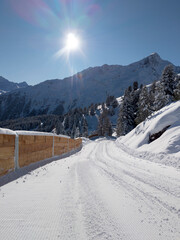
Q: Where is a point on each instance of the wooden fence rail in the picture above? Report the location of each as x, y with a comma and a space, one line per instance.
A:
20, 150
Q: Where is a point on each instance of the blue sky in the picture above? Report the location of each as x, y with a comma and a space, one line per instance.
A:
110, 31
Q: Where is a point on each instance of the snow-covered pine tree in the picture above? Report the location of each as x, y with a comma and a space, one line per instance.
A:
160, 97
125, 122
135, 98
143, 110
167, 79
176, 91
151, 96
77, 133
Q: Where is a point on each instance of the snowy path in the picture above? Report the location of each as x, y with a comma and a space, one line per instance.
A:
101, 192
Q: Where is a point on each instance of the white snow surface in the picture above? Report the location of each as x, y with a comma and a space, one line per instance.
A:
168, 144
34, 133
101, 192
7, 131
112, 189
40, 134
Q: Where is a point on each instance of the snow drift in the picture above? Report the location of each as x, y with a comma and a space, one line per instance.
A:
167, 145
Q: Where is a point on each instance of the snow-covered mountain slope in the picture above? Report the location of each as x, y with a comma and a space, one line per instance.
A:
7, 86
99, 193
91, 85
164, 124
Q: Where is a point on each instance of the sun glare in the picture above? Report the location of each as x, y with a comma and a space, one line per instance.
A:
72, 42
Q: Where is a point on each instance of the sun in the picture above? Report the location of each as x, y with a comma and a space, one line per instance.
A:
72, 42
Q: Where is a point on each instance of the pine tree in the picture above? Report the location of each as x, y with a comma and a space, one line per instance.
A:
151, 97
176, 91
114, 103
167, 79
107, 127
125, 121
85, 110
160, 97
135, 98
100, 125
135, 85
108, 101
73, 131
104, 124
77, 133
103, 106
111, 111
92, 110
143, 110
66, 122
84, 128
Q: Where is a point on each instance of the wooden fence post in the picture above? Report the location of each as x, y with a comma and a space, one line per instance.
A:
68, 144
16, 157
53, 147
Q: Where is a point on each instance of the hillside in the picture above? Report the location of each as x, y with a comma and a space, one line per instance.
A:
91, 85
157, 138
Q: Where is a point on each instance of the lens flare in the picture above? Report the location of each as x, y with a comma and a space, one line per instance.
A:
58, 18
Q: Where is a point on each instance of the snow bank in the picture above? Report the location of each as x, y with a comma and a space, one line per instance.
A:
39, 134
7, 131
34, 133
167, 143
85, 141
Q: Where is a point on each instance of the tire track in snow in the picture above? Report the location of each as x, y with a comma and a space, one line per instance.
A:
97, 194
139, 188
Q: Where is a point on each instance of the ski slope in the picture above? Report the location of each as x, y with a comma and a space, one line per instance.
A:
101, 192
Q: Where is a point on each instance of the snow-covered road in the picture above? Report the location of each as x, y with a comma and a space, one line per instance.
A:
100, 192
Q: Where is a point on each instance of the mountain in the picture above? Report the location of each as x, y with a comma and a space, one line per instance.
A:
7, 86
91, 85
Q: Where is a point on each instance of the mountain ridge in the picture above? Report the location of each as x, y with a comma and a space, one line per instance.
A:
91, 85
7, 86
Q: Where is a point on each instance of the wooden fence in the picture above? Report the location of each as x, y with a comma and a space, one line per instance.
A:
7, 153
18, 150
